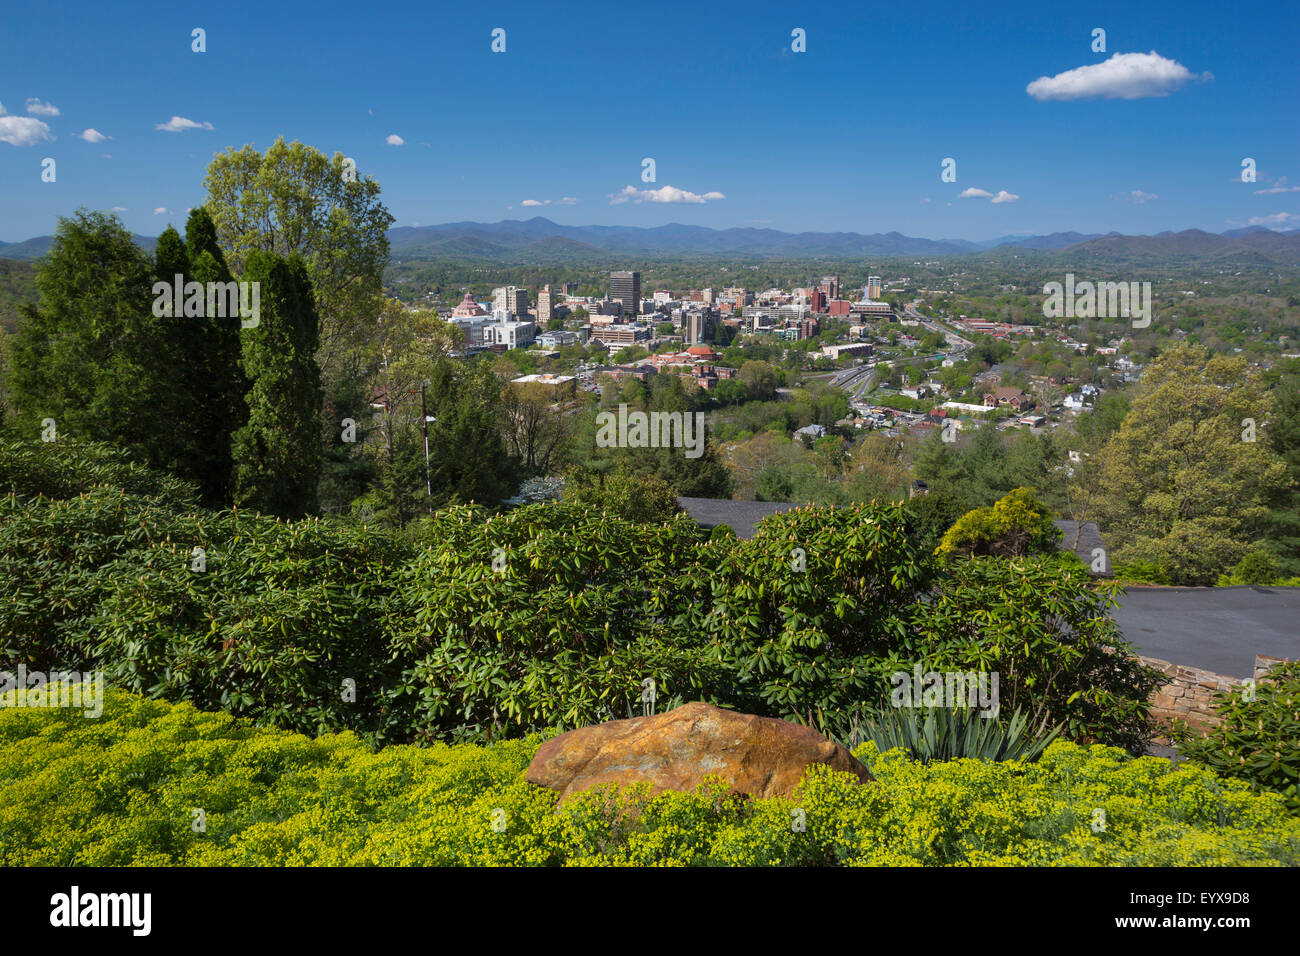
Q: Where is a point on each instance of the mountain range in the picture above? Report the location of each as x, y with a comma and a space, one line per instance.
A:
541, 240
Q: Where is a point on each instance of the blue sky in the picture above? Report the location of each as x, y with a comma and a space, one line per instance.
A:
848, 135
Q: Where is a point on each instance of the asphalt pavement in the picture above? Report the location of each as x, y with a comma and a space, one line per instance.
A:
1218, 629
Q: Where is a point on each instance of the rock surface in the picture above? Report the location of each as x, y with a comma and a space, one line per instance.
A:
760, 756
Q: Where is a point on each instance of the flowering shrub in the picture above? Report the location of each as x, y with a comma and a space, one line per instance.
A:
475, 626
1258, 739
125, 788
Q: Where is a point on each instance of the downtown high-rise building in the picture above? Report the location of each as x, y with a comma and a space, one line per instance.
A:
625, 287
830, 286
873, 288
697, 326
511, 299
545, 306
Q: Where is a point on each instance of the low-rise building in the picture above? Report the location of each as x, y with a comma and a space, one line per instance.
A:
561, 386
1008, 395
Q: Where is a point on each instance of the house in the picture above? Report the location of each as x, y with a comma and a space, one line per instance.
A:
1085, 397
1008, 395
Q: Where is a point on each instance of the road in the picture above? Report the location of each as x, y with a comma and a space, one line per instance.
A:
959, 345
1218, 629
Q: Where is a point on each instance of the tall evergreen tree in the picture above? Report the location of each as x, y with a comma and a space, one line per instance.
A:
86, 355
277, 453
215, 370
467, 453
176, 344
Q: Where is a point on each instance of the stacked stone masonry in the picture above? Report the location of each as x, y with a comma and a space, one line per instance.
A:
1189, 693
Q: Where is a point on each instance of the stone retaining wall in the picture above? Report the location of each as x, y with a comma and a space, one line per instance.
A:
1189, 693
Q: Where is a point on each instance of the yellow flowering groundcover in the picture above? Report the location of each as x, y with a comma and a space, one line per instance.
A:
155, 783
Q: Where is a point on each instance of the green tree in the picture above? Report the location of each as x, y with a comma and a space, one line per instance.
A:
1282, 536
1186, 487
205, 400
295, 199
221, 410
773, 484
631, 497
467, 451
759, 378
87, 354
277, 452
1016, 525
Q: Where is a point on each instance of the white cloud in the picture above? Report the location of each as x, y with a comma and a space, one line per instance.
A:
1125, 76
22, 130
118, 209
566, 201
924, 200
92, 136
1278, 187
395, 140
669, 194
1135, 196
37, 108
1277, 219
974, 192
160, 210
178, 124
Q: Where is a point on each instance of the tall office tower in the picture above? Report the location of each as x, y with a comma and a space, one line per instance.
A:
545, 306
626, 288
818, 300
569, 288
831, 286
697, 327
517, 301
708, 297
873, 288
511, 299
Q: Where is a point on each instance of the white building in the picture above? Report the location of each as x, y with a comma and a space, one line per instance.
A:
472, 327
513, 335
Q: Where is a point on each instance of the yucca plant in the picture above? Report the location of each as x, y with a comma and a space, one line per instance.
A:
949, 733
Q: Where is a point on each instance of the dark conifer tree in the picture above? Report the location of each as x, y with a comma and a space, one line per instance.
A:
277, 452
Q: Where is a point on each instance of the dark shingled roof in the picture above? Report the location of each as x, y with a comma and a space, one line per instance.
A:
741, 517
1089, 538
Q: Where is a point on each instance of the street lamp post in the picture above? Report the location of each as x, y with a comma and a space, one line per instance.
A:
424, 427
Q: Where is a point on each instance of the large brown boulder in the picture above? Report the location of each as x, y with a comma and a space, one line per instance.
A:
760, 756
